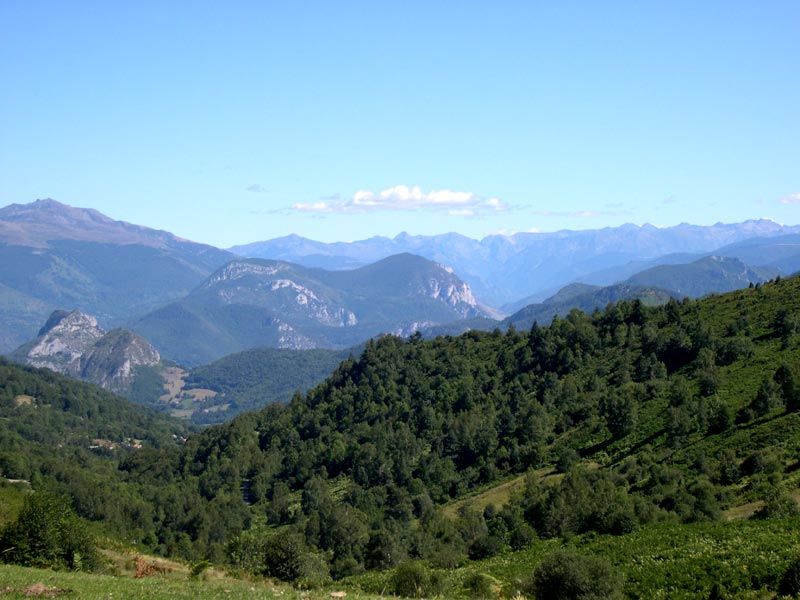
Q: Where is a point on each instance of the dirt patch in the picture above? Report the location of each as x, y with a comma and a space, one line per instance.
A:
743, 511
746, 511
40, 590
183, 402
24, 400
148, 569
200, 394
174, 380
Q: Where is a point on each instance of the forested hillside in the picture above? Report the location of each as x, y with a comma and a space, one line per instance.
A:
251, 379
612, 423
68, 437
660, 414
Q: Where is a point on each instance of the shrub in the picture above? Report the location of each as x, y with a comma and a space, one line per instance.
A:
566, 458
481, 585
566, 575
521, 536
413, 580
283, 556
485, 547
314, 571
777, 505
47, 533
199, 568
790, 582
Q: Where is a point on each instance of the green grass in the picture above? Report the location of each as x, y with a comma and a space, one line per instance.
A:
175, 586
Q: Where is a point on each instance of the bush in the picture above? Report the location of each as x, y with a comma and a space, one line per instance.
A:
413, 580
279, 555
485, 547
283, 556
790, 582
778, 504
48, 534
314, 572
521, 536
566, 458
481, 585
199, 568
566, 575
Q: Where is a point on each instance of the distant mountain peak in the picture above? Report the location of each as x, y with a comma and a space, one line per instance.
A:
39, 223
49, 210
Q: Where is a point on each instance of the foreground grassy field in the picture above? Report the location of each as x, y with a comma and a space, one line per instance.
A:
20, 582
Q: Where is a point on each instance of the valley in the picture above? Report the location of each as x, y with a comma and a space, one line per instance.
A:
407, 300
460, 461
368, 427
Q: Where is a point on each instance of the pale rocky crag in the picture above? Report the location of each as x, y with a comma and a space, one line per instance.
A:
72, 343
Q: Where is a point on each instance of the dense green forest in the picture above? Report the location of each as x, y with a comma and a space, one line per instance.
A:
67, 437
249, 380
612, 424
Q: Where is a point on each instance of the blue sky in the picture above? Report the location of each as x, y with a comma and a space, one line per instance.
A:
232, 122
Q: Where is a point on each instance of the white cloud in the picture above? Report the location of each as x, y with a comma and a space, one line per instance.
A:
510, 232
791, 199
583, 214
402, 197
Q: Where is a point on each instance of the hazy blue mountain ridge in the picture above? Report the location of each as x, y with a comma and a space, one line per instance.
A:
653, 286
712, 274
502, 269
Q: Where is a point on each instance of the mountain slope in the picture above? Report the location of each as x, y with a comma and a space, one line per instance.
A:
251, 303
252, 379
586, 299
53, 256
629, 432
69, 437
653, 286
711, 274
625, 421
781, 252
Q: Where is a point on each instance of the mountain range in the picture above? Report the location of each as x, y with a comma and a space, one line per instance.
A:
196, 303
503, 269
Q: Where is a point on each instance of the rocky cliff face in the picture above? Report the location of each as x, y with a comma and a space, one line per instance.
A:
72, 343
279, 287
455, 294
62, 341
112, 360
